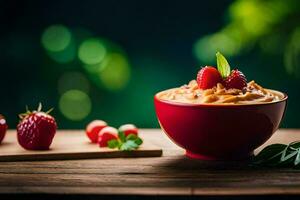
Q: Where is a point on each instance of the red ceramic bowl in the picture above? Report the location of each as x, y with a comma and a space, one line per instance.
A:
219, 131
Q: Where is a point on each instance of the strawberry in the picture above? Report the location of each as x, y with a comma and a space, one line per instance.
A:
93, 128
106, 134
128, 129
36, 129
236, 79
208, 77
3, 127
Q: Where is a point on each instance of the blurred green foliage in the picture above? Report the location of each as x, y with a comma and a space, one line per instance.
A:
270, 25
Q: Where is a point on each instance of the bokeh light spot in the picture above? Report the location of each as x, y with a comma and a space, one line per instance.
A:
65, 56
91, 51
73, 80
75, 105
56, 38
115, 72
206, 48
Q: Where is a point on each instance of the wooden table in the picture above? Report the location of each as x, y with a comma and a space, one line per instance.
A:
169, 175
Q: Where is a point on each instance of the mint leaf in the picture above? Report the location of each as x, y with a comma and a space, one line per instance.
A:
131, 137
222, 65
113, 143
125, 143
122, 136
134, 138
129, 145
139, 141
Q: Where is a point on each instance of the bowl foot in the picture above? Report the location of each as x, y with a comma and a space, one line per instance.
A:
205, 157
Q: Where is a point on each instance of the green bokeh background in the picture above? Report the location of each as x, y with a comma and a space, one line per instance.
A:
148, 46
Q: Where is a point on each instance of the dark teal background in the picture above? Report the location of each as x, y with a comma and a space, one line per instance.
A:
156, 37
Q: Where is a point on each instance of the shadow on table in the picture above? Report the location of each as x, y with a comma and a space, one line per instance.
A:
185, 163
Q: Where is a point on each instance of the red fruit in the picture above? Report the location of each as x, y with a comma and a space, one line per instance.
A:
36, 130
92, 130
208, 77
3, 127
236, 79
128, 129
106, 134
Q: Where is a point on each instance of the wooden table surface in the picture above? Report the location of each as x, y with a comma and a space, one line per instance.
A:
171, 174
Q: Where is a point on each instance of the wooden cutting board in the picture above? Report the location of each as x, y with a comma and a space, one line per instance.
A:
68, 145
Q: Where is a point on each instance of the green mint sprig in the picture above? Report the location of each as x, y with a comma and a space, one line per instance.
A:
222, 65
279, 155
125, 143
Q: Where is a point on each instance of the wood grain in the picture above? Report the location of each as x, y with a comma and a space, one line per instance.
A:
171, 174
70, 145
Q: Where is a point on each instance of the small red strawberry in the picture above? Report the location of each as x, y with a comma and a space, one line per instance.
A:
208, 77
92, 130
106, 134
236, 79
3, 128
36, 129
128, 129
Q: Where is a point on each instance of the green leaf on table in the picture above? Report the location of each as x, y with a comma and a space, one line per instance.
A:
288, 154
131, 137
139, 141
270, 154
122, 136
135, 138
222, 65
125, 143
279, 155
113, 143
297, 159
129, 145
295, 144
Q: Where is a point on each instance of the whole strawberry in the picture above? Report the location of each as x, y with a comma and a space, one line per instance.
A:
232, 79
36, 129
208, 77
236, 79
3, 127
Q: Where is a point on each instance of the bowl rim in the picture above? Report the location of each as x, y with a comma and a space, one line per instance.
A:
285, 97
